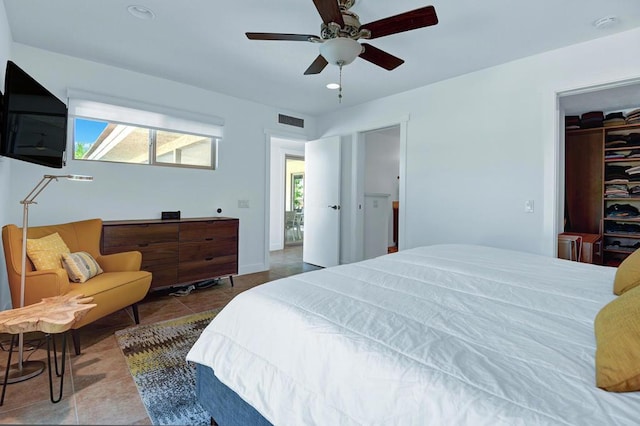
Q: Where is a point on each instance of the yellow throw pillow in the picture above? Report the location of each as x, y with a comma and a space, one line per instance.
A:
46, 252
617, 329
80, 266
628, 274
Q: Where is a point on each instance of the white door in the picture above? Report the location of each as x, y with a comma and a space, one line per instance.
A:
322, 202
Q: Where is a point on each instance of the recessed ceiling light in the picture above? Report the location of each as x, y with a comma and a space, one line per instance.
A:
605, 22
333, 86
141, 12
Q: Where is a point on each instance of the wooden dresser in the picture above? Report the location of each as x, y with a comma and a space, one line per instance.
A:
180, 251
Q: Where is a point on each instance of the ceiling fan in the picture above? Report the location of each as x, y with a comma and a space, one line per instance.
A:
341, 30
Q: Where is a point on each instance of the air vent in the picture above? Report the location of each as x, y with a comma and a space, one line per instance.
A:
291, 121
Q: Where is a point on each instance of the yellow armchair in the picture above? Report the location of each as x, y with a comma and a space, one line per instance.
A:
122, 283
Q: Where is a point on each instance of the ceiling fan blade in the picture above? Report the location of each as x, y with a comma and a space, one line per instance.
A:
407, 21
329, 11
380, 57
317, 66
279, 36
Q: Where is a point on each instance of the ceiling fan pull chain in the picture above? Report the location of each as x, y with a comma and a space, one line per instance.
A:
340, 88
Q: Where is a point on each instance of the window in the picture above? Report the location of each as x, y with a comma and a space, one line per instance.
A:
107, 132
297, 191
122, 143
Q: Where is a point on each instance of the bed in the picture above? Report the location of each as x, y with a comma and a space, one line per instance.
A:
436, 335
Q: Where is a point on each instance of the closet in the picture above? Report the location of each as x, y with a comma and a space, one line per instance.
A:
602, 189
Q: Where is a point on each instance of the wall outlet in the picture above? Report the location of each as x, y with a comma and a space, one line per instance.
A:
243, 204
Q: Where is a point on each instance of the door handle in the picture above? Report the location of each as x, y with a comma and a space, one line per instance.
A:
335, 207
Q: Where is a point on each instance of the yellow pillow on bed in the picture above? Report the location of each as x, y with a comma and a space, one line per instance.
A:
628, 274
617, 329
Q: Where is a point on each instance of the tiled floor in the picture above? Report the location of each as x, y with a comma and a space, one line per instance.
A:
98, 388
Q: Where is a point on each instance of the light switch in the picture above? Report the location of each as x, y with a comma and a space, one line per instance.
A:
528, 206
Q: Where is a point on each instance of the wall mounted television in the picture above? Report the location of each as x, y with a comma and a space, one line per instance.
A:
34, 121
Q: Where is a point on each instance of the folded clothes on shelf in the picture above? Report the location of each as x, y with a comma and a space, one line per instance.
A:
572, 122
633, 116
622, 210
614, 119
631, 246
613, 173
591, 119
621, 228
616, 191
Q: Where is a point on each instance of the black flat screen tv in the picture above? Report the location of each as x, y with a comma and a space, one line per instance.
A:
34, 121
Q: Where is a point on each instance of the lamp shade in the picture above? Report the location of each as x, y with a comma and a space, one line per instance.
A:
69, 177
79, 177
340, 50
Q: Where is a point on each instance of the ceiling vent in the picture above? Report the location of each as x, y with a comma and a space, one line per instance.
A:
291, 121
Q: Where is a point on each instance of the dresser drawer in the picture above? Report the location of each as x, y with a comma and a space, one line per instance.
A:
139, 235
208, 268
162, 275
158, 253
206, 249
209, 230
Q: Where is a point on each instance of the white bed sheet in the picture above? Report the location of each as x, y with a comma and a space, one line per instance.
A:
437, 335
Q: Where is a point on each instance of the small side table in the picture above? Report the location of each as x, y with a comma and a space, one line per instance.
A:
53, 315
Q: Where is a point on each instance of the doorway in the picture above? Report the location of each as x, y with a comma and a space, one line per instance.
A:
381, 191
294, 201
351, 191
281, 148
584, 198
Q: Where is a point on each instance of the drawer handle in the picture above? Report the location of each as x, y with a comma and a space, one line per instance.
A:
208, 258
208, 239
143, 245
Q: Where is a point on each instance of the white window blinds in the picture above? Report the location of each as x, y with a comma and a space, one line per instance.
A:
118, 110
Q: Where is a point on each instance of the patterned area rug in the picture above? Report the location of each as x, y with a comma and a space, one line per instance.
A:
155, 354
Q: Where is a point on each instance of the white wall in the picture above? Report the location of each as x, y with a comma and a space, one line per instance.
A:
5, 164
124, 191
377, 211
480, 145
382, 162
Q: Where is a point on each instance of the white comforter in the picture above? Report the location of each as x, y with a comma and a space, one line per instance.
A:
438, 335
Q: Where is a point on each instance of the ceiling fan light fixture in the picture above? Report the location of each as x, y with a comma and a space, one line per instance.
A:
340, 50
333, 86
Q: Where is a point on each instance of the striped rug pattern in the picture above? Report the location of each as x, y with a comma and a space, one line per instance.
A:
155, 354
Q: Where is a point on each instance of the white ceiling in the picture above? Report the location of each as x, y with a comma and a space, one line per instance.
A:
202, 42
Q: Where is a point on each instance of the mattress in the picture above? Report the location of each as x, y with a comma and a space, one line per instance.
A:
436, 335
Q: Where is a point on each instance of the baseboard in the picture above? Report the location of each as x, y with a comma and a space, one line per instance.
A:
251, 269
276, 246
